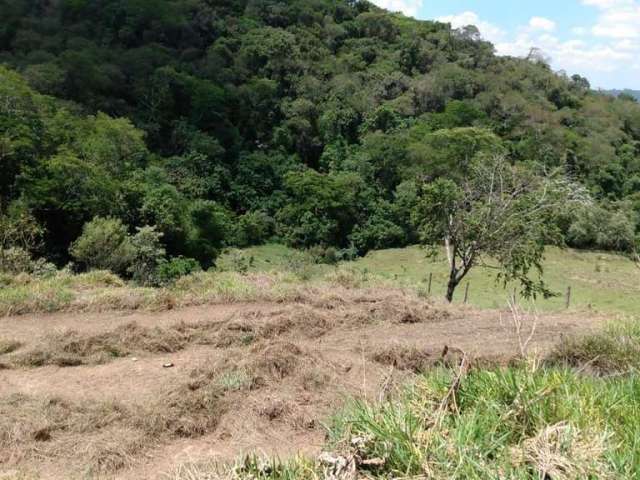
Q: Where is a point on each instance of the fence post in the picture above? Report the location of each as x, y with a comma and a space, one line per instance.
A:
429, 287
568, 298
466, 293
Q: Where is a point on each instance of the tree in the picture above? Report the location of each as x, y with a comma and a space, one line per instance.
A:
498, 216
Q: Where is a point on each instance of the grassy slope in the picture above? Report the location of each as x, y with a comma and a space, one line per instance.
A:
601, 281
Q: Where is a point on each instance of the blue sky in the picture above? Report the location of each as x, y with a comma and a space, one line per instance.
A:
599, 39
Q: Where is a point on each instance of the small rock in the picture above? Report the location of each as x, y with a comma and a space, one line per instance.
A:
134, 359
167, 365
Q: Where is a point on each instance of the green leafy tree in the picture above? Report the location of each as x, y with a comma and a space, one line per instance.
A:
322, 209
498, 216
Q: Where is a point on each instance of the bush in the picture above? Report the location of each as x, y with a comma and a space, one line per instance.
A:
235, 260
597, 227
14, 261
210, 227
147, 254
324, 255
104, 245
168, 271
253, 228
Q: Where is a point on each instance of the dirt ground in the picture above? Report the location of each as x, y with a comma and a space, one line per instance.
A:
282, 369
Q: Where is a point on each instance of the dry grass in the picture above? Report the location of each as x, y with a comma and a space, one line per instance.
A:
405, 358
564, 452
103, 291
73, 349
9, 346
104, 436
318, 311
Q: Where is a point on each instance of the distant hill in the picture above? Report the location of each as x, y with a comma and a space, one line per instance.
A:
634, 93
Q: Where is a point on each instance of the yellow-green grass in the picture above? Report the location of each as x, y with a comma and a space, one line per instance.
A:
602, 282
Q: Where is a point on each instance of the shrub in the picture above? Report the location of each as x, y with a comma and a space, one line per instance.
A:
210, 227
597, 227
147, 254
235, 260
104, 245
168, 271
324, 255
15, 260
253, 228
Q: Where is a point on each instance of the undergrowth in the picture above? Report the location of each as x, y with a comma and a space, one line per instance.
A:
102, 291
616, 350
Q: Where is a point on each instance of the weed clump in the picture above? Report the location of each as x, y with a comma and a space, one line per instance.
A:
615, 350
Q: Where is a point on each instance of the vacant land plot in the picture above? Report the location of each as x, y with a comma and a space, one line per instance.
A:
132, 395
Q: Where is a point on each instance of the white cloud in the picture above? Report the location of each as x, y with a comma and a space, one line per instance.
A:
618, 18
408, 7
605, 4
541, 23
487, 30
608, 50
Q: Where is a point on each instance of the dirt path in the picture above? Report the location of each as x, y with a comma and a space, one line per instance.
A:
306, 359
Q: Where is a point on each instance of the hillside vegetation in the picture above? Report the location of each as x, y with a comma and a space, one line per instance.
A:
206, 124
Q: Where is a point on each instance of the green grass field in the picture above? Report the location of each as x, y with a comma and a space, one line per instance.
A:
602, 282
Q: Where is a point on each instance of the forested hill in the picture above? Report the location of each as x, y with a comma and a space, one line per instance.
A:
230, 122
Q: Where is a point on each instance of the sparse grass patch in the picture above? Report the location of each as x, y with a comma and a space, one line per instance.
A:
235, 380
251, 467
613, 351
42, 295
9, 346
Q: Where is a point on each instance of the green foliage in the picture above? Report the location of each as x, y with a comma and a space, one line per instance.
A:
105, 244
147, 255
308, 119
595, 226
499, 213
19, 229
253, 228
14, 261
323, 207
168, 271
503, 423
449, 152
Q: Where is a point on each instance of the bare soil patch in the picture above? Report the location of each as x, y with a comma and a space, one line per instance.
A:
131, 395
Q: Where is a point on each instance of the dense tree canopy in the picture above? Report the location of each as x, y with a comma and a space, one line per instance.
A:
228, 122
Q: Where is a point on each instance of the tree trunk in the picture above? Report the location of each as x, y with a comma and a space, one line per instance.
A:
451, 287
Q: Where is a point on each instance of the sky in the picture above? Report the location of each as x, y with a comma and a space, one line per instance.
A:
598, 39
